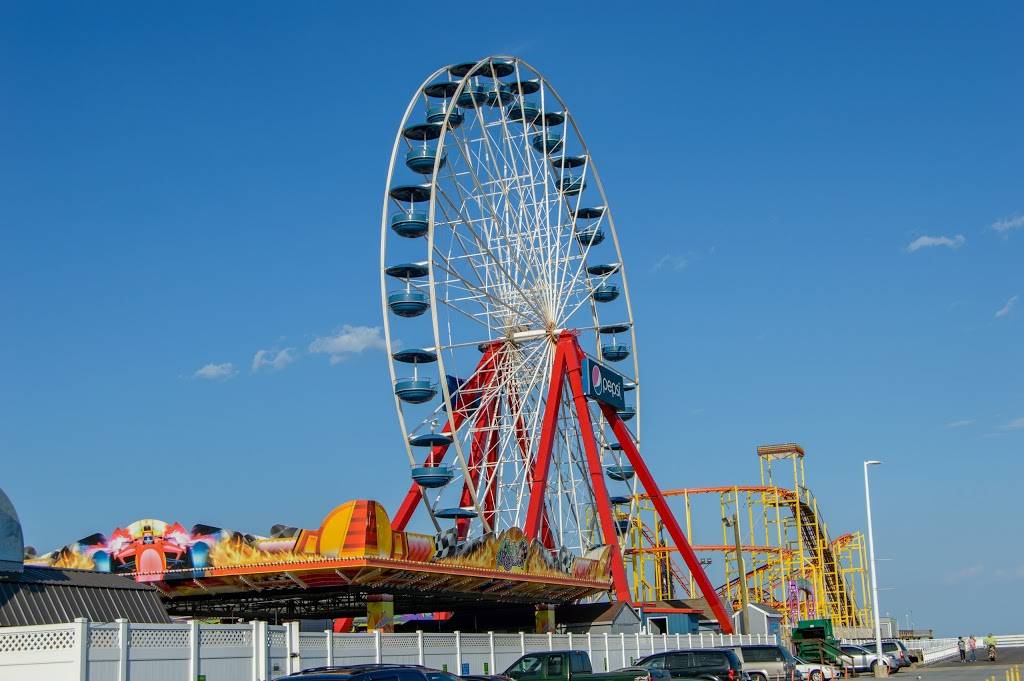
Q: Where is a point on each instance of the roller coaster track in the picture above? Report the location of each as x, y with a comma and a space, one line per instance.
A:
812, 531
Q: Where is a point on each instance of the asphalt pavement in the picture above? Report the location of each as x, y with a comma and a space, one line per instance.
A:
954, 670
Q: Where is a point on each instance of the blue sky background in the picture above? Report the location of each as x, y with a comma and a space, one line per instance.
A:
184, 185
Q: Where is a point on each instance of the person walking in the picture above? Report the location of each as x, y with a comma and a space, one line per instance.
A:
972, 649
961, 645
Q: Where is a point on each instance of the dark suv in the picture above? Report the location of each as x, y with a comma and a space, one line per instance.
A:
711, 664
368, 672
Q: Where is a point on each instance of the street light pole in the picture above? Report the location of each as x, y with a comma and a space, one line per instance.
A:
881, 669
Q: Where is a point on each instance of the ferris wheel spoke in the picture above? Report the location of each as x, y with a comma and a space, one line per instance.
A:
493, 259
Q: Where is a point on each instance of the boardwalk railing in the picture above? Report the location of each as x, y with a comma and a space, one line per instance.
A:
257, 651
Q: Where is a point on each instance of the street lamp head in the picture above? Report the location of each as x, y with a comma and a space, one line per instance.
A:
872, 463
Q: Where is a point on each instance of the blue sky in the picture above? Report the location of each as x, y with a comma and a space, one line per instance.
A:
821, 209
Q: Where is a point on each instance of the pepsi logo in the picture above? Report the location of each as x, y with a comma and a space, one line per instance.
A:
595, 378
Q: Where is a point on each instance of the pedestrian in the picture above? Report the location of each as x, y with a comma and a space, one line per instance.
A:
972, 648
961, 645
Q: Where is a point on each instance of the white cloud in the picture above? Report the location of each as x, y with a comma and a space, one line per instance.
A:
1006, 309
1016, 424
964, 574
349, 340
930, 241
268, 359
212, 372
1007, 225
669, 261
960, 424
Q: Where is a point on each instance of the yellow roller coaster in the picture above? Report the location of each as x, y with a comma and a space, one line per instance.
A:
786, 559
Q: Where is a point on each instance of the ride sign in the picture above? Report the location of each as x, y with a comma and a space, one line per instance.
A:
603, 384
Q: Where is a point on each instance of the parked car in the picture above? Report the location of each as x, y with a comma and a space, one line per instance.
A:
897, 649
571, 665
815, 671
361, 672
711, 664
864, 660
767, 662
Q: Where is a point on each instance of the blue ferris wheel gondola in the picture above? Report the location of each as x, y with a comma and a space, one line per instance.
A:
443, 90
489, 69
549, 143
606, 293
615, 352
588, 213
603, 270
455, 513
570, 186
422, 132
589, 236
407, 270
501, 96
619, 500
524, 87
528, 112
620, 327
551, 118
621, 473
410, 303
415, 356
437, 114
410, 193
410, 224
415, 390
627, 414
472, 96
432, 477
421, 160
431, 440
622, 525
566, 162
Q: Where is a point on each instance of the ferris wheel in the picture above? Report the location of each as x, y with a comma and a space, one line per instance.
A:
507, 318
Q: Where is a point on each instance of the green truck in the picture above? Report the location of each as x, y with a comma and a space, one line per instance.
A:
573, 665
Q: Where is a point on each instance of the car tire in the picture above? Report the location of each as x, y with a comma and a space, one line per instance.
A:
757, 676
816, 675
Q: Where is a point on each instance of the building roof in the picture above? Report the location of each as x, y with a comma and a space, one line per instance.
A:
766, 609
42, 595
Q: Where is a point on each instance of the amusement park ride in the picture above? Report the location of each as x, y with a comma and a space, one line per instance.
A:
516, 384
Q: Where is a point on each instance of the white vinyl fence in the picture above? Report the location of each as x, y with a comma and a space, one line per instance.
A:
936, 649
120, 651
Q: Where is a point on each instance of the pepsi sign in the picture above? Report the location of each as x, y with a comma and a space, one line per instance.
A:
603, 384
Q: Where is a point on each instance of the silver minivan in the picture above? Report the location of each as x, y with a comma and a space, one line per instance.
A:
767, 662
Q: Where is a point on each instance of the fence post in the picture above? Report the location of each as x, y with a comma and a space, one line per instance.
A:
664, 640
82, 646
607, 652
458, 653
193, 650
650, 635
490, 644
255, 650
701, 635
329, 633
378, 656
570, 640
522, 643
678, 643
122, 648
689, 640
551, 642
622, 640
293, 647
419, 647
590, 647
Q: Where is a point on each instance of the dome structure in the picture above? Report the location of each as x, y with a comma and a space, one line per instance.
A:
12, 541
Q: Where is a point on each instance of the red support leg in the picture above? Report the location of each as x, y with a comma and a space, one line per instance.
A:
539, 475
476, 460
625, 439
601, 500
415, 494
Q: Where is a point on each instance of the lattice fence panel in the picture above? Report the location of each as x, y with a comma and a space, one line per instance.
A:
27, 641
312, 641
158, 638
102, 637
225, 637
276, 638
